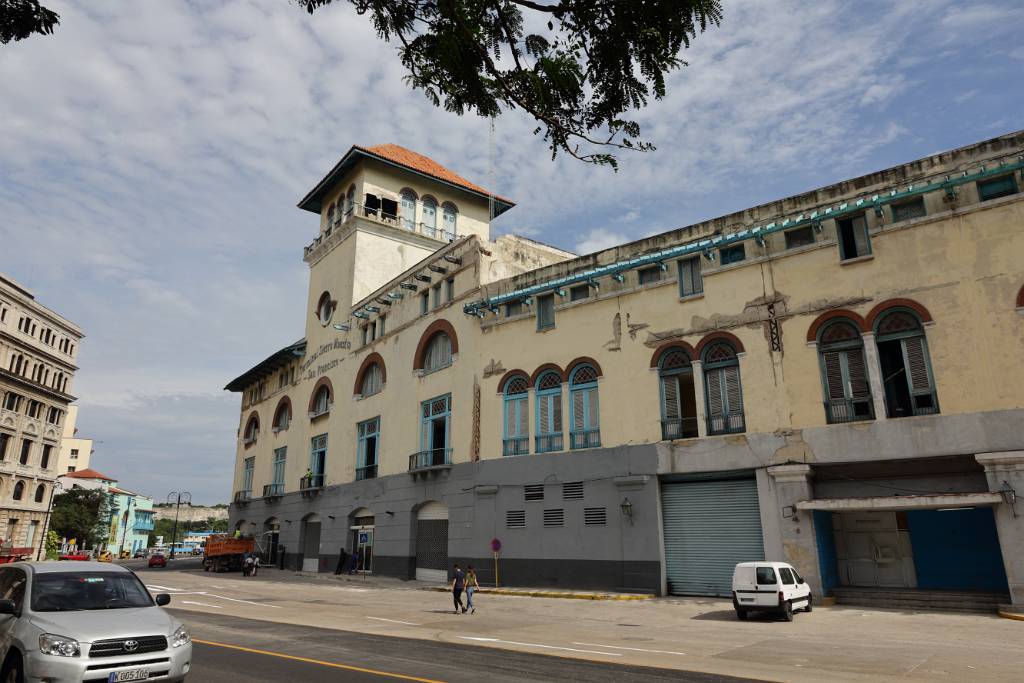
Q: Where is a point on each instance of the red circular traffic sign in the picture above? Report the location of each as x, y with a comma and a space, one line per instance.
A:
495, 545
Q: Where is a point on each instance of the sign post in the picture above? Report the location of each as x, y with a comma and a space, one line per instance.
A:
495, 548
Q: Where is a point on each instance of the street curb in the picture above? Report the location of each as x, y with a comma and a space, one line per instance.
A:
1011, 615
548, 594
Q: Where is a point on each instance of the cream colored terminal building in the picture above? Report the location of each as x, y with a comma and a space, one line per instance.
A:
832, 379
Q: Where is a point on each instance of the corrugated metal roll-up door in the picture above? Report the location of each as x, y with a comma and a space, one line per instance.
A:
710, 526
432, 542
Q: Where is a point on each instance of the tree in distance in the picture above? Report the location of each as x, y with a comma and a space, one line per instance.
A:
82, 514
596, 61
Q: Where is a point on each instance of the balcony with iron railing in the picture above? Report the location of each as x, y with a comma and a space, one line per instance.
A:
366, 472
682, 428
549, 443
146, 523
432, 459
516, 445
273, 490
585, 438
311, 482
919, 404
726, 423
843, 410
242, 497
381, 217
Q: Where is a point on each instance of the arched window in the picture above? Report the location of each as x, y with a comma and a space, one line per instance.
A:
438, 354
283, 416
843, 372
252, 430
517, 417
373, 380
449, 216
723, 396
19, 490
585, 430
429, 216
408, 209
330, 216
906, 367
549, 412
350, 200
321, 400
40, 493
678, 397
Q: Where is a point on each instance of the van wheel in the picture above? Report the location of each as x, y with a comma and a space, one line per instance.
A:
787, 611
11, 672
741, 614
809, 598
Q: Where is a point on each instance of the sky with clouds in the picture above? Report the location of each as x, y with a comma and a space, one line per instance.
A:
151, 155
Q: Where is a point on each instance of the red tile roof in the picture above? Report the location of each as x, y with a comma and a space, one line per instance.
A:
418, 162
88, 474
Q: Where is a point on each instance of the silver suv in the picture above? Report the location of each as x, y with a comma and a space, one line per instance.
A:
86, 621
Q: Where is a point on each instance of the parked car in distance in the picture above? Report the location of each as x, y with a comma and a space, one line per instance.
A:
157, 561
769, 587
77, 555
141, 552
88, 621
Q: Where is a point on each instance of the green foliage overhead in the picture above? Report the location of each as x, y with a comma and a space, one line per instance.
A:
575, 66
21, 18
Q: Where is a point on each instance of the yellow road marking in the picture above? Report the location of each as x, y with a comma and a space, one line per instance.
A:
317, 661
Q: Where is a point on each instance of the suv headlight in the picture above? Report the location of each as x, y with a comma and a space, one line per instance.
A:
180, 637
59, 646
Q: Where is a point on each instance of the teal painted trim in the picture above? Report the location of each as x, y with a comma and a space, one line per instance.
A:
719, 241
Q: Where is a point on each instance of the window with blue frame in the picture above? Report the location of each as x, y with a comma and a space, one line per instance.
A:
723, 395
435, 433
690, 280
545, 311
905, 363
317, 461
277, 473
513, 308
997, 187
844, 373
439, 353
854, 240
517, 421
585, 429
247, 472
408, 209
678, 399
733, 254
549, 412
450, 215
429, 216
367, 448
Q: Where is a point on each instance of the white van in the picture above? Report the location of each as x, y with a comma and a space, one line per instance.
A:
769, 587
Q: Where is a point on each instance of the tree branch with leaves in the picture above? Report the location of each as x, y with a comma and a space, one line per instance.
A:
19, 19
597, 60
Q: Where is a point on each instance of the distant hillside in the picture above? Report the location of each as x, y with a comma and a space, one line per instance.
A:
192, 513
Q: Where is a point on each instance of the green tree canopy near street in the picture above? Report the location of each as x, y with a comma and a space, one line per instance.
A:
596, 60
81, 514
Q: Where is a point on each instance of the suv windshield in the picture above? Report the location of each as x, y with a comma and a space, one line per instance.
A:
60, 592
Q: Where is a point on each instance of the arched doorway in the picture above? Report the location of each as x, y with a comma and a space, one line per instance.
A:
310, 543
362, 539
270, 540
432, 542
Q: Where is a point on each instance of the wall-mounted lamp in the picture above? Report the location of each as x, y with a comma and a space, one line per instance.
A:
627, 509
710, 256
330, 516
618, 277
817, 226
389, 512
789, 512
1009, 496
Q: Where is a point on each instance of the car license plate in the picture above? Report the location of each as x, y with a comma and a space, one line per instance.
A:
129, 675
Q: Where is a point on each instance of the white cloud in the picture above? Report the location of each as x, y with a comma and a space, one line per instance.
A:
598, 239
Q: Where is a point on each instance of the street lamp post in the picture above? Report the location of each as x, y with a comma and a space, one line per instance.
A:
180, 497
46, 520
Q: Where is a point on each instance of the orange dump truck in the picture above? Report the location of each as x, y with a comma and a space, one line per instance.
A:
224, 553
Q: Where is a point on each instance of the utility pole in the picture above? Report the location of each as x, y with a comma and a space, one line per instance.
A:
46, 520
124, 534
179, 496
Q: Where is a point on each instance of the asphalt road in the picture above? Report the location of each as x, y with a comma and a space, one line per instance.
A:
231, 649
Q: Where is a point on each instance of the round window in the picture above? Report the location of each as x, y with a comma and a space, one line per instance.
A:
325, 308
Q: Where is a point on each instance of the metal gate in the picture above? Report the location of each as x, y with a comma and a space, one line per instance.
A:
710, 526
432, 542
